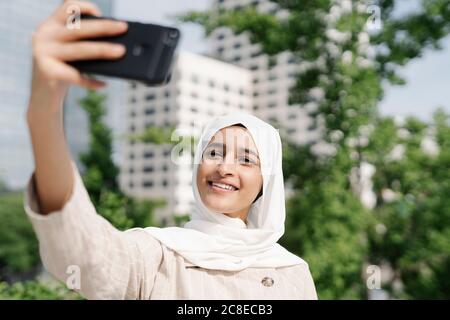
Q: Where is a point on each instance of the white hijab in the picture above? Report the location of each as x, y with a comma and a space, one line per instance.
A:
213, 240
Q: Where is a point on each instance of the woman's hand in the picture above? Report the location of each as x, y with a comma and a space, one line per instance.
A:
54, 43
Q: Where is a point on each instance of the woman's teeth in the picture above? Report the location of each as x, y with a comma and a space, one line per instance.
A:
224, 186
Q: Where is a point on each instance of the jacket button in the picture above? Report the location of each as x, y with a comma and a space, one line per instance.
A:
266, 281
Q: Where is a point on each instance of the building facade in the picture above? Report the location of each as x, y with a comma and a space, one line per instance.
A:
272, 77
18, 19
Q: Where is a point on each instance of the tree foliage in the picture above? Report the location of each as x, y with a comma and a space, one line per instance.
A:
101, 173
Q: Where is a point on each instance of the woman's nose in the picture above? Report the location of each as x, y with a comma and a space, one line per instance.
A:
227, 165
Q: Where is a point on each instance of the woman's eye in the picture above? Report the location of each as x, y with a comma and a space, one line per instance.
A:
246, 160
213, 153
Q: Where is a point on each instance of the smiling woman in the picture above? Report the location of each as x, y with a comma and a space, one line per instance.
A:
229, 178
228, 249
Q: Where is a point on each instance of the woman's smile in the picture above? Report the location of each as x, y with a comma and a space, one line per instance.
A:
221, 188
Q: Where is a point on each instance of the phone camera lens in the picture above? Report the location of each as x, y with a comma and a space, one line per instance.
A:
173, 34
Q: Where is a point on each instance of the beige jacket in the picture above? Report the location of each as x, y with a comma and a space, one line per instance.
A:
82, 249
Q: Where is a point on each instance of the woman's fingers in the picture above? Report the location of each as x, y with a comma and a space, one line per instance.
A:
88, 50
93, 29
72, 8
64, 72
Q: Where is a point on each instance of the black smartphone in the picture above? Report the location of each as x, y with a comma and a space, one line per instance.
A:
149, 57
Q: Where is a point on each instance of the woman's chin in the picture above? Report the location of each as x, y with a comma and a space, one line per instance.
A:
217, 207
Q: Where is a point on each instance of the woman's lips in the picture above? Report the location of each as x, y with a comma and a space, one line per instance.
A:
220, 190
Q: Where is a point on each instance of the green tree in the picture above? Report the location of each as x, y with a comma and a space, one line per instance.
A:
36, 290
100, 175
19, 252
413, 215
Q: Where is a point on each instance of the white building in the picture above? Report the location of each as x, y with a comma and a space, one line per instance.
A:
272, 77
201, 88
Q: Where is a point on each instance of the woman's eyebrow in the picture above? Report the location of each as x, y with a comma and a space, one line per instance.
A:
246, 150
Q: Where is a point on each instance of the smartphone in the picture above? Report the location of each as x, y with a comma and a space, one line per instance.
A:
149, 57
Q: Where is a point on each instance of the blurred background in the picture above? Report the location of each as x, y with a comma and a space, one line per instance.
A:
359, 91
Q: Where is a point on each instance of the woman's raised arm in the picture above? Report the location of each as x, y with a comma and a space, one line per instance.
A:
55, 43
77, 245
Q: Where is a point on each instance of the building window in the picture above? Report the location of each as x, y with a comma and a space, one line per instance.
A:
164, 183
211, 99
133, 100
291, 131
131, 170
132, 114
255, 107
167, 94
292, 116
149, 111
148, 154
237, 46
131, 185
255, 94
272, 91
132, 128
272, 77
147, 184
226, 87
194, 95
220, 36
241, 91
148, 169
272, 105
150, 96
166, 153
131, 156
237, 59
211, 83
254, 67
164, 167
166, 108
194, 109
133, 85
220, 50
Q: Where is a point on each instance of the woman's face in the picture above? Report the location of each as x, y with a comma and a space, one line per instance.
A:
231, 158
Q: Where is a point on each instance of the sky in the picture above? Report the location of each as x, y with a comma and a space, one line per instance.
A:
428, 79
